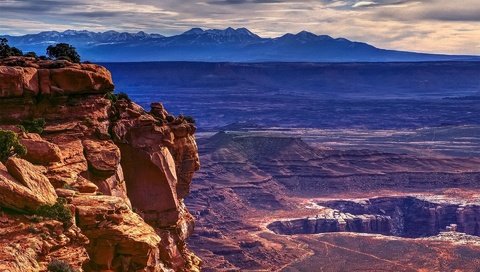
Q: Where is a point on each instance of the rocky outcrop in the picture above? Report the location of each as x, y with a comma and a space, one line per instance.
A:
334, 221
23, 186
40, 151
28, 245
399, 216
26, 76
107, 157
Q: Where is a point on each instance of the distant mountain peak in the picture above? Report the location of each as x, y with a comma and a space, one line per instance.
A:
229, 31
305, 34
229, 44
193, 31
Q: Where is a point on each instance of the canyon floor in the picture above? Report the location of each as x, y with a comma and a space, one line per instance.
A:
276, 199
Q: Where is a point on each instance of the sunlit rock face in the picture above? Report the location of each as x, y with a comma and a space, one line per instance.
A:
396, 216
124, 171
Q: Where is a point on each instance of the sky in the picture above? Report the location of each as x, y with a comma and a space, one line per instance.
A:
434, 26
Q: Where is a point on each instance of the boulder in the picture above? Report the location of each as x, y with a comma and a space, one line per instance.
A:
119, 239
40, 151
85, 186
23, 187
31, 177
18, 81
52, 77
103, 156
76, 81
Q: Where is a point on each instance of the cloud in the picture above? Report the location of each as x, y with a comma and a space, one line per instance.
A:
364, 4
235, 2
439, 10
38, 6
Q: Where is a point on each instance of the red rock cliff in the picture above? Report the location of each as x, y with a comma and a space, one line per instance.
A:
124, 172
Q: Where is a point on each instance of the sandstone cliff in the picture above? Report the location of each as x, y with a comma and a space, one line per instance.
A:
123, 172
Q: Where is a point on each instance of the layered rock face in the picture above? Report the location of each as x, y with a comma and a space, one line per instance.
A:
400, 216
108, 157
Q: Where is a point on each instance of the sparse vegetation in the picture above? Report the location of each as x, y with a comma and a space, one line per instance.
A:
31, 54
57, 211
111, 96
8, 51
115, 97
35, 218
69, 187
9, 145
122, 95
63, 51
35, 125
59, 266
189, 119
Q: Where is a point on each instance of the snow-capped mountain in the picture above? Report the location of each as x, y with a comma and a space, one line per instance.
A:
80, 38
227, 44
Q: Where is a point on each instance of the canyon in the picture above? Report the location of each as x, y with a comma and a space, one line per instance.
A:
337, 199
122, 173
398, 216
335, 187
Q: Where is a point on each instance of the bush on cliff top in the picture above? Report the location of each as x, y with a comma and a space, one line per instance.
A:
33, 126
59, 266
189, 119
63, 51
9, 145
31, 54
115, 97
8, 51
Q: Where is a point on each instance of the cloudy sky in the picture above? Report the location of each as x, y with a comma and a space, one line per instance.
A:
443, 26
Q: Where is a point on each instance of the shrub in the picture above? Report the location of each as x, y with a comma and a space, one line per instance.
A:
115, 97
34, 125
57, 211
31, 54
59, 266
9, 145
111, 96
189, 119
122, 95
7, 51
63, 51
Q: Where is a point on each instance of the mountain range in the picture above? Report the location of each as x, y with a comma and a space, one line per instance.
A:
234, 45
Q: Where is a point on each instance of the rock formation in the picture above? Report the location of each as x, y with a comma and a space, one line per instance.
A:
123, 171
399, 216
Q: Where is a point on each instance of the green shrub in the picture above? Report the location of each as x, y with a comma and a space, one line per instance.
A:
34, 125
189, 119
63, 51
122, 95
7, 51
115, 97
57, 211
111, 96
9, 145
59, 266
31, 54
